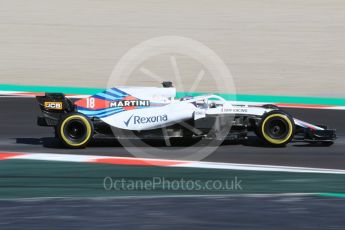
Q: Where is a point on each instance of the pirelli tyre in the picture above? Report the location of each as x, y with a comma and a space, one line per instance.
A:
75, 130
276, 128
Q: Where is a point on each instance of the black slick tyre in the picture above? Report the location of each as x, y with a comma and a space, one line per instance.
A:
276, 128
75, 130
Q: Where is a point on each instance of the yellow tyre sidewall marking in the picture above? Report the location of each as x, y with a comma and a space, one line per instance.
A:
88, 130
274, 141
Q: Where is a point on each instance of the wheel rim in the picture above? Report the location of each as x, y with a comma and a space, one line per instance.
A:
75, 131
277, 128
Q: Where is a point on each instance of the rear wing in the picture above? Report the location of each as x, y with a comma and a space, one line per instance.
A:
53, 106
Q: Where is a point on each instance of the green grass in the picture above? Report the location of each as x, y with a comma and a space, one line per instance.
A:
29, 178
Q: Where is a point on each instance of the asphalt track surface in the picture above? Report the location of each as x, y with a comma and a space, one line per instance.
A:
19, 133
175, 213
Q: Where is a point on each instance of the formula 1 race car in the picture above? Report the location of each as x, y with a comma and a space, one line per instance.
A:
155, 113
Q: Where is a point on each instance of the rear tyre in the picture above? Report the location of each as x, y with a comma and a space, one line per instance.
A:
75, 130
276, 128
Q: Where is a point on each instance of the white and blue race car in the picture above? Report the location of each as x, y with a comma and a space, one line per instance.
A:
155, 113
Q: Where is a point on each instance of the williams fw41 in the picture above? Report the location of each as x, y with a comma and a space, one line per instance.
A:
155, 113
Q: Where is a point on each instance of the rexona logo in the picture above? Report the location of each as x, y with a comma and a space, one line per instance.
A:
138, 120
129, 103
53, 105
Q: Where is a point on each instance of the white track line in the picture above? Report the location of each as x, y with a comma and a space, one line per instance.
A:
160, 196
163, 162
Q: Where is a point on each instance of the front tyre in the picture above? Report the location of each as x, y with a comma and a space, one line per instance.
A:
277, 128
75, 130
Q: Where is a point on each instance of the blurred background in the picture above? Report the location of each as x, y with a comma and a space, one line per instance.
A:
279, 47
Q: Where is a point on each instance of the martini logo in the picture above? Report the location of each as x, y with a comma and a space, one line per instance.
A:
138, 120
129, 103
53, 105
